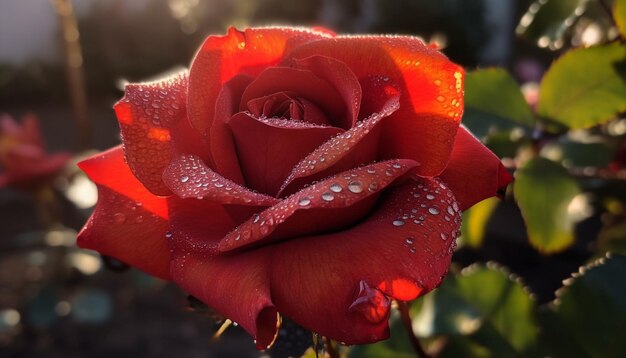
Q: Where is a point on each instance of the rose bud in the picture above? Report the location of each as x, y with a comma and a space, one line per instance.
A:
294, 172
24, 162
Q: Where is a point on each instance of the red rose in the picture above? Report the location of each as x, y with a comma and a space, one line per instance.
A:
294, 172
24, 161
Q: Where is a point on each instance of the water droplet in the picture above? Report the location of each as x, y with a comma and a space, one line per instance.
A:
139, 219
398, 223
444, 237
397, 165
184, 179
336, 188
409, 241
455, 206
412, 250
371, 303
304, 202
237, 237
355, 186
440, 99
371, 170
433, 211
327, 196
119, 218
256, 218
218, 185
430, 196
168, 235
450, 211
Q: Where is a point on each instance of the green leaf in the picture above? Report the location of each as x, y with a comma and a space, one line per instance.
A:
612, 239
591, 309
493, 102
619, 14
475, 220
546, 21
585, 87
482, 306
543, 191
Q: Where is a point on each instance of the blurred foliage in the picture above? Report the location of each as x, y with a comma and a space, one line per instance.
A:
585, 87
544, 192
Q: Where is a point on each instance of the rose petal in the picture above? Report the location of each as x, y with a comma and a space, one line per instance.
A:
299, 108
31, 131
28, 172
343, 293
223, 151
154, 125
129, 222
304, 84
350, 149
474, 173
334, 203
235, 286
431, 105
268, 149
189, 177
344, 81
222, 57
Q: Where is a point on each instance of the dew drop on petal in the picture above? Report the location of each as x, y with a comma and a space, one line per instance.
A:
336, 188
433, 210
430, 196
355, 187
327, 196
371, 303
398, 223
304, 202
119, 218
184, 179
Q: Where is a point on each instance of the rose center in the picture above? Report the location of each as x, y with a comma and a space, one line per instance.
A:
287, 105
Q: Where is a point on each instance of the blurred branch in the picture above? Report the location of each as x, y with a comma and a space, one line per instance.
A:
74, 70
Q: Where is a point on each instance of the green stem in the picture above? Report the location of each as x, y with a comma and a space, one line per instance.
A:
403, 308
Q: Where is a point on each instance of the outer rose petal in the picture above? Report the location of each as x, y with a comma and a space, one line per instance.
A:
474, 173
269, 149
403, 250
188, 177
335, 203
129, 222
235, 286
222, 57
431, 104
154, 125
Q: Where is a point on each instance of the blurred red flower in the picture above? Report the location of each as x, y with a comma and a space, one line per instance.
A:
24, 162
294, 172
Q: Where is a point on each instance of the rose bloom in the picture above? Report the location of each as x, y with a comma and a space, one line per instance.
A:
294, 172
24, 161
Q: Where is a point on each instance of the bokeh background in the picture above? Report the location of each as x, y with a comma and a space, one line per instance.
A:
68, 65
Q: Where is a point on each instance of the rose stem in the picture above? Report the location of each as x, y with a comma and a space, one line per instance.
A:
403, 308
221, 330
331, 348
74, 70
